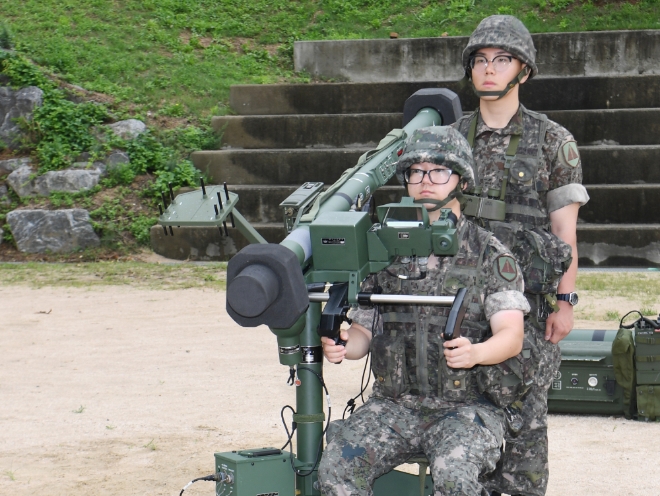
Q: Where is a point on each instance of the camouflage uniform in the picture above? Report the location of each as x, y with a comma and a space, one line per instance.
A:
419, 404
544, 175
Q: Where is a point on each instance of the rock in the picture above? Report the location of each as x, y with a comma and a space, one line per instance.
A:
14, 105
128, 129
10, 165
115, 158
24, 182
56, 231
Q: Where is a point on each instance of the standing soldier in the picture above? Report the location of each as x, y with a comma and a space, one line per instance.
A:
528, 194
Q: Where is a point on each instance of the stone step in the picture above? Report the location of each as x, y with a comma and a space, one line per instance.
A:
629, 164
612, 245
618, 245
591, 53
634, 203
548, 93
623, 126
617, 204
633, 164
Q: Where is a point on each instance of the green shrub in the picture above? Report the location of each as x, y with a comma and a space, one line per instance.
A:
6, 42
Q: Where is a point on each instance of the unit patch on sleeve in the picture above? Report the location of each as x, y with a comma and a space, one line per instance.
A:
568, 153
506, 267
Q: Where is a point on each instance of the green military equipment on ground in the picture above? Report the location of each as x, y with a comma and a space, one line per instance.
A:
610, 372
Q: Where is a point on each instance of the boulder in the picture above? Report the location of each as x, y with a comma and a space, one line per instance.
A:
55, 231
128, 129
14, 105
24, 182
10, 165
115, 158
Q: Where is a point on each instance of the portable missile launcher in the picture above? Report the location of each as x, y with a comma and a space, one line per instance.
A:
303, 288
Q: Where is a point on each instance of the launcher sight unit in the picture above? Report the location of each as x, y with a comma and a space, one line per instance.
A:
331, 246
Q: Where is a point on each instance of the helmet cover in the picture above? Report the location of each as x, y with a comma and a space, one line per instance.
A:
441, 145
505, 32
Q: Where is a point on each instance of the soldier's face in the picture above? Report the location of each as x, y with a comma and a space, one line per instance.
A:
494, 77
427, 189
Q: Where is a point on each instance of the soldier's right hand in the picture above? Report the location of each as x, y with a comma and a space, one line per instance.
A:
334, 353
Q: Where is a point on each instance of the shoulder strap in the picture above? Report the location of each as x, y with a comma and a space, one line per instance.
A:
480, 278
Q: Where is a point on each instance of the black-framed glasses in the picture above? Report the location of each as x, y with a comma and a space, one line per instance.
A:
500, 63
436, 176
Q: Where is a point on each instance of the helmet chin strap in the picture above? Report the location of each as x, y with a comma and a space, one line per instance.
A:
456, 193
500, 94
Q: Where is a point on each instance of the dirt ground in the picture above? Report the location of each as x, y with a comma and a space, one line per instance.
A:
126, 391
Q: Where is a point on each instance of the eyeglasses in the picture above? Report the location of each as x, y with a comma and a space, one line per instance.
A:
436, 176
501, 63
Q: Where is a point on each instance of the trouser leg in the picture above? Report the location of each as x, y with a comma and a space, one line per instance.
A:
362, 449
523, 467
460, 447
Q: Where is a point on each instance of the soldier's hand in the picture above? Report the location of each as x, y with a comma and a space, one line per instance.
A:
335, 353
560, 323
460, 353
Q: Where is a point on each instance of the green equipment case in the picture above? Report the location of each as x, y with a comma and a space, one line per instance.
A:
647, 354
647, 369
255, 472
585, 382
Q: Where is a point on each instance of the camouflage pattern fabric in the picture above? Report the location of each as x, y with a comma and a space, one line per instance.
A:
460, 442
526, 199
419, 405
441, 145
505, 32
417, 373
523, 468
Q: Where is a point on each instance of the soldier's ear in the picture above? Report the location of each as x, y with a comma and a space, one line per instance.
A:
526, 76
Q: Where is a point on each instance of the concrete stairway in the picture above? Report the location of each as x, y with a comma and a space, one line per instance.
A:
286, 135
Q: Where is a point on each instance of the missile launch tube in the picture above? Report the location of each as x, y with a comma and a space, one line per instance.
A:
363, 181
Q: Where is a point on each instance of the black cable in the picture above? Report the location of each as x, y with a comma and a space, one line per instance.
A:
294, 425
210, 478
648, 322
350, 404
318, 451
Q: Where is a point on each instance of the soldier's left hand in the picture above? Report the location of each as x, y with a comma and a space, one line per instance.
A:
460, 353
560, 323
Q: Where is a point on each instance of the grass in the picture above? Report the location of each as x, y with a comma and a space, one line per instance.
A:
178, 58
639, 285
634, 291
151, 446
135, 274
80, 409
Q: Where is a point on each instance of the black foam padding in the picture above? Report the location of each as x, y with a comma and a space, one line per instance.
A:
253, 290
445, 101
265, 286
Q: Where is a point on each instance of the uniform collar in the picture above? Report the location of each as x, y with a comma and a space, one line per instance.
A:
514, 127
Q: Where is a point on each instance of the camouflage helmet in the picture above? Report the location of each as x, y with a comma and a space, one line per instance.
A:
505, 32
441, 145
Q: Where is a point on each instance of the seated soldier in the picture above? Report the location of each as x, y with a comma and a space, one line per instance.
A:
428, 396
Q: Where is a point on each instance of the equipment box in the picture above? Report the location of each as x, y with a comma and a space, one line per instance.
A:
255, 472
647, 355
585, 382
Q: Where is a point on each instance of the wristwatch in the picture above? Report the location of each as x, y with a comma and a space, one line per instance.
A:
572, 298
